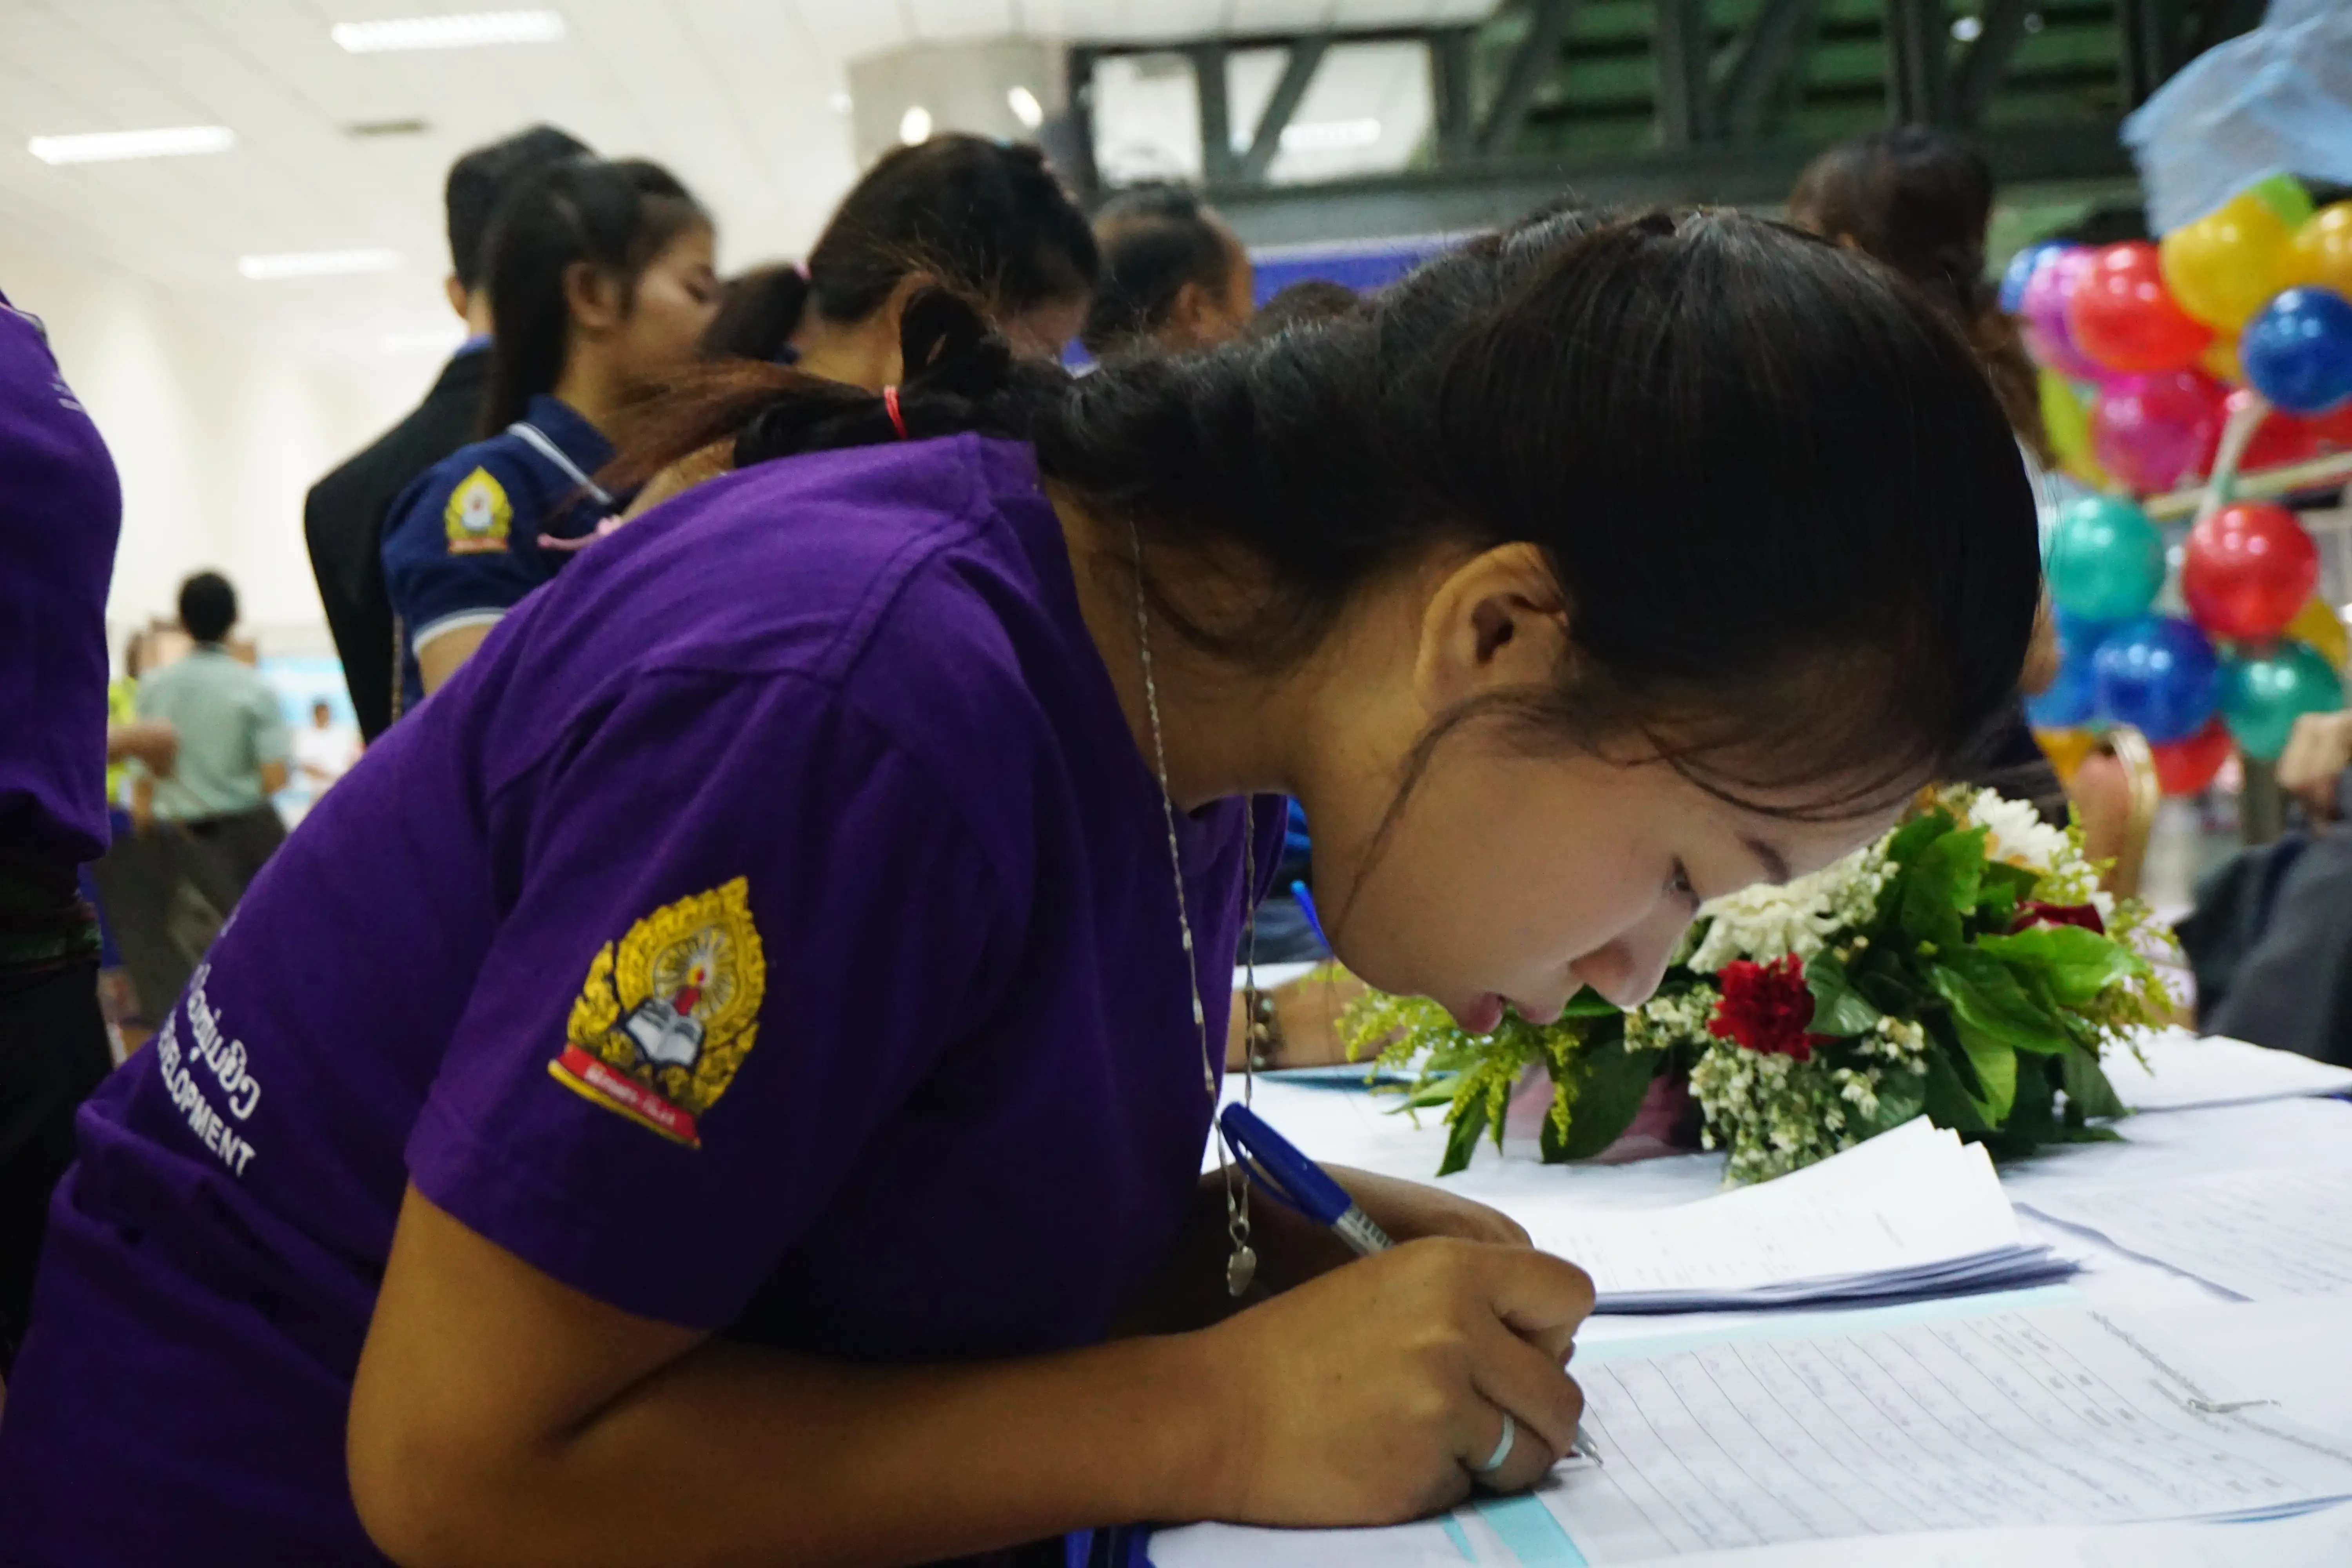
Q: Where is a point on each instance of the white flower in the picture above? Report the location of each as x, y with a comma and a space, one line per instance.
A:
2017, 834
1768, 923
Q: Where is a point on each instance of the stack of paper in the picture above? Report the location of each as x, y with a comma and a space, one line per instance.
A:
2263, 1234
2173, 1070
1910, 1420
1912, 1212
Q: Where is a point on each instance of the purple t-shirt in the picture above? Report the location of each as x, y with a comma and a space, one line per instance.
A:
60, 510
769, 930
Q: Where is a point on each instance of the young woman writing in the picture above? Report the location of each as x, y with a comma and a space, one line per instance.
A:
814, 909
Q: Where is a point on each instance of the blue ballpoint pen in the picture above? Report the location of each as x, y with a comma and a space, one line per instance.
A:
1298, 1184
1307, 907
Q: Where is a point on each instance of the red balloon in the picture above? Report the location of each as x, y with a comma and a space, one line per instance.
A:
2154, 432
2250, 569
2332, 429
2280, 440
2122, 316
2184, 767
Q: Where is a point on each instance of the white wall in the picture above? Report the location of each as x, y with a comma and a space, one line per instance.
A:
216, 433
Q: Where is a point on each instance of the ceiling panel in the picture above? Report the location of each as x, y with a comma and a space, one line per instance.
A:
739, 96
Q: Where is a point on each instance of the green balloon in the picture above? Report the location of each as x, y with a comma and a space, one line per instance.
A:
2286, 198
2264, 694
2106, 560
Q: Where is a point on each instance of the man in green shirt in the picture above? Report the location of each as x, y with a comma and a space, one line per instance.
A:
206, 826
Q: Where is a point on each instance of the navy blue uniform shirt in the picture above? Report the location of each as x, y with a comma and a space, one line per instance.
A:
464, 544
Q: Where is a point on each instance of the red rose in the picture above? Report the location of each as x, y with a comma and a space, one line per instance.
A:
1766, 1007
2032, 913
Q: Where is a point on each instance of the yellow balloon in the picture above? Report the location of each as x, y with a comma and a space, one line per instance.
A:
2318, 623
2066, 417
2221, 362
2065, 749
2321, 250
2228, 264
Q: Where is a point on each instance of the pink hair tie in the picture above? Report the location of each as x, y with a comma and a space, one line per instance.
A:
566, 546
890, 406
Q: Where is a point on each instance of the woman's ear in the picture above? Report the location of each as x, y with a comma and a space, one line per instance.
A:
1496, 620
594, 297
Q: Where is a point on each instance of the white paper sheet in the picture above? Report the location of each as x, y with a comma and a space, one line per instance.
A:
1910, 1207
2263, 1235
2186, 1071
2060, 1416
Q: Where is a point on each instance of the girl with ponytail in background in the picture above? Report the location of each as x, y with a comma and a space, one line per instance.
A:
779, 1140
601, 284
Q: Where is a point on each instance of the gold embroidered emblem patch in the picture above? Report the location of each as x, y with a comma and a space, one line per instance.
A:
478, 516
668, 1013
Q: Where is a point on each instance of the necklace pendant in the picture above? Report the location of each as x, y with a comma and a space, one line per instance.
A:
1240, 1270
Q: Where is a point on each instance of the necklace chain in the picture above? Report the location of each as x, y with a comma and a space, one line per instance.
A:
1242, 1264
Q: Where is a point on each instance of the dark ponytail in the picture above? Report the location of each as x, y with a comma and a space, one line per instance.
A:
758, 314
616, 216
1154, 239
987, 219
1919, 200
1796, 539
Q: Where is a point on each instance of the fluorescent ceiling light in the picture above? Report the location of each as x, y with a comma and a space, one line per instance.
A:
317, 264
472, 30
1025, 106
915, 125
1330, 135
110, 146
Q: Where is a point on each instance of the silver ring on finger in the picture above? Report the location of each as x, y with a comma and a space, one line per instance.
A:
1502, 1453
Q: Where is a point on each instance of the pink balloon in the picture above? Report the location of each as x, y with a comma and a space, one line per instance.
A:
2155, 432
2043, 308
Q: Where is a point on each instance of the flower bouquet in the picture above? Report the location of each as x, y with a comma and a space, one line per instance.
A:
1966, 965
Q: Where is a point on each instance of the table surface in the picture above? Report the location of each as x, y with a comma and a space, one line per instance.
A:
2293, 1347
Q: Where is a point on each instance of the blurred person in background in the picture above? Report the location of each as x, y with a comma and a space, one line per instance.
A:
2270, 939
1920, 200
324, 751
602, 284
345, 515
1174, 275
211, 813
987, 218
60, 513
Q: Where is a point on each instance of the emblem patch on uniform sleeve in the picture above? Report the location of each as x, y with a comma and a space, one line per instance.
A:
668, 1014
479, 515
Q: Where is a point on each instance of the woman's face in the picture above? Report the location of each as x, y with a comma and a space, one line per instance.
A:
1514, 874
677, 295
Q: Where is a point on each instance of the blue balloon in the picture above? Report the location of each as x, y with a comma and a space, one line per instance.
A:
2073, 697
2021, 271
2106, 560
2298, 352
2160, 676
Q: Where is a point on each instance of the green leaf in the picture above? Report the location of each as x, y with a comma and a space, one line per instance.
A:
1901, 1097
1916, 835
1947, 1101
1987, 999
2076, 964
2033, 1112
1982, 1023
2087, 1088
1838, 1007
1942, 885
1590, 1004
1462, 1137
2017, 879
1609, 1095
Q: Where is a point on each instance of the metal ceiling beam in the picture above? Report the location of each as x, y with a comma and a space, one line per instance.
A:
1297, 74
1763, 63
1680, 44
1217, 160
1537, 59
1452, 200
1449, 94
1987, 58
1918, 79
